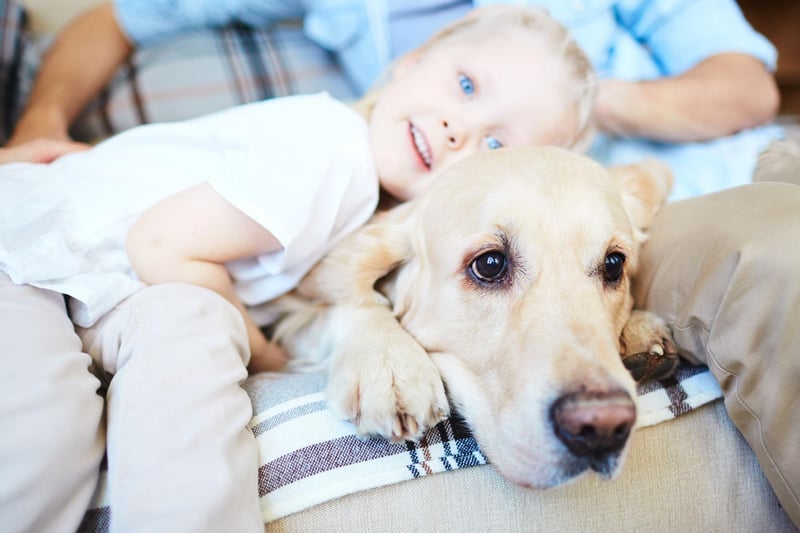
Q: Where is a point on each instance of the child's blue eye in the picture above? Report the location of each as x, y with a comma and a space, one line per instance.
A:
466, 84
492, 143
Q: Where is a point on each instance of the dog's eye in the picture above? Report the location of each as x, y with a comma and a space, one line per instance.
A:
612, 267
489, 267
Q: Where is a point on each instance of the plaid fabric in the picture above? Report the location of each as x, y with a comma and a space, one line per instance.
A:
191, 75
207, 71
309, 456
13, 41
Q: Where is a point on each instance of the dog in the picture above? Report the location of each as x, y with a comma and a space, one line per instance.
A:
503, 291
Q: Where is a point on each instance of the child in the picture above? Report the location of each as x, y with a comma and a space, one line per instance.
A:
243, 202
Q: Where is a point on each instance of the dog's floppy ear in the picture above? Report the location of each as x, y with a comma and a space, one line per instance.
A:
644, 187
348, 273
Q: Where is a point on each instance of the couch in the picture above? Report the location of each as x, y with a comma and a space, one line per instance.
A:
688, 468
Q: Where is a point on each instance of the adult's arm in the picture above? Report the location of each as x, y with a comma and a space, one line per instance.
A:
714, 73
89, 50
719, 96
81, 61
189, 237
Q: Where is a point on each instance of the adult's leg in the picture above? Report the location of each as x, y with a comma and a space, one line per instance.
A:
51, 438
724, 271
180, 454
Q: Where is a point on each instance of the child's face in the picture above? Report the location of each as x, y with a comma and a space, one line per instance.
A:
469, 93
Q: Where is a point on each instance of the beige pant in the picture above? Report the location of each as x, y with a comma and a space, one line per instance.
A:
180, 457
724, 271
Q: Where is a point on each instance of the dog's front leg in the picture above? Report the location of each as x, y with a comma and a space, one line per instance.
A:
380, 378
648, 350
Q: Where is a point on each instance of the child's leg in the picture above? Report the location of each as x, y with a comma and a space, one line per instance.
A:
51, 440
180, 455
724, 271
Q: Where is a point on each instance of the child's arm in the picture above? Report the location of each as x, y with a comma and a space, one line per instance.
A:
189, 237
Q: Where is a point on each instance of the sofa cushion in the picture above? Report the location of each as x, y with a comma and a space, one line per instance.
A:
308, 456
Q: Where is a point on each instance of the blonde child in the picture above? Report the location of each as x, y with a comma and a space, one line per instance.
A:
163, 239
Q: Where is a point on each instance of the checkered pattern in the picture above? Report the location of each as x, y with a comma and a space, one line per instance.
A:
13, 42
309, 456
207, 71
191, 75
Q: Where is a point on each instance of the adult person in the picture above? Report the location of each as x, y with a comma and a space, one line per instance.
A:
693, 73
688, 82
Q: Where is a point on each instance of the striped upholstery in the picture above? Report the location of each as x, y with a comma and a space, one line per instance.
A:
308, 456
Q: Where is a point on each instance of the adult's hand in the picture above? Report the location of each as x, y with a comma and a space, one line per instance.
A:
40, 123
39, 151
724, 94
81, 61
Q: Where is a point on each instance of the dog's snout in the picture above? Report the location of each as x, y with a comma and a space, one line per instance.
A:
594, 425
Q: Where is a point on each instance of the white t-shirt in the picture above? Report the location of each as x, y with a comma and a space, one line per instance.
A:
300, 166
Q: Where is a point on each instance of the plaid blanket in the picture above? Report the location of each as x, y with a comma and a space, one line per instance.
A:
190, 75
208, 70
309, 456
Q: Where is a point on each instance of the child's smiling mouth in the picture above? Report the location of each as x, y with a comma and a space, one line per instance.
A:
421, 145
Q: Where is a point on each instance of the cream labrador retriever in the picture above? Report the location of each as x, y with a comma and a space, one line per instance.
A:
509, 283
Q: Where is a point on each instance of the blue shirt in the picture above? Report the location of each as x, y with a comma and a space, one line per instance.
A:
625, 39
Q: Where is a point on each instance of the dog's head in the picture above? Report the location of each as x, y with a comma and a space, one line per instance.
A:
513, 271
515, 275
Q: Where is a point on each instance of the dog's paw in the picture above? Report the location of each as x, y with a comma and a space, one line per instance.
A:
396, 393
648, 351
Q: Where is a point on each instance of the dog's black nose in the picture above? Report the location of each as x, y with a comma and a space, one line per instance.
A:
594, 425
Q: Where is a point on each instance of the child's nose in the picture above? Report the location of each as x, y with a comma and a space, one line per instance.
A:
454, 134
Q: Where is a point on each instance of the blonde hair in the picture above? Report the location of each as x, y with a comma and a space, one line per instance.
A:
579, 72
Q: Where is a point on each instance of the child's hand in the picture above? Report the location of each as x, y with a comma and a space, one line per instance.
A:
269, 357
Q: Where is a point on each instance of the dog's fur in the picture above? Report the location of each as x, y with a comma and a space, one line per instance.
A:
530, 354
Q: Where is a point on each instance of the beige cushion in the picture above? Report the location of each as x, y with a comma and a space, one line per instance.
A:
694, 473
